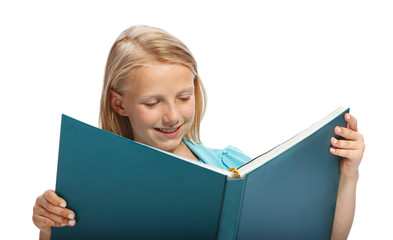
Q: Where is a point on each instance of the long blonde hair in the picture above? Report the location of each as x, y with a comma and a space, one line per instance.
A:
135, 47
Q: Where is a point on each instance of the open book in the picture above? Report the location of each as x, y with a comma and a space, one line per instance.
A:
121, 189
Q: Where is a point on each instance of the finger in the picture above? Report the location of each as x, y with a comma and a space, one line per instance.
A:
348, 133
349, 154
352, 122
59, 220
345, 144
52, 197
43, 222
66, 213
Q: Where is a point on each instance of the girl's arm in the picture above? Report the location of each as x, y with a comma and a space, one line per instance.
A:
351, 149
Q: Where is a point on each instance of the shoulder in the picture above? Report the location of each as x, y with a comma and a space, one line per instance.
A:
226, 158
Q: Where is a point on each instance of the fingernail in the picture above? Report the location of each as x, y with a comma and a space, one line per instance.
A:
71, 216
348, 116
338, 130
71, 222
334, 140
332, 150
63, 204
62, 224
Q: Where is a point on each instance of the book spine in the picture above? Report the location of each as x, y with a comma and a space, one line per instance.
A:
231, 208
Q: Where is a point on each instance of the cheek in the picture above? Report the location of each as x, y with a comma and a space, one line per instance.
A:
142, 118
188, 111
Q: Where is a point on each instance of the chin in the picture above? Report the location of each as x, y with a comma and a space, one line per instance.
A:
169, 146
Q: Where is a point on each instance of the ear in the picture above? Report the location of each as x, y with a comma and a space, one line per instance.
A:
116, 102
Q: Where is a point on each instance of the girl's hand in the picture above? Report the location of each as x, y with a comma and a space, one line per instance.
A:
49, 211
351, 148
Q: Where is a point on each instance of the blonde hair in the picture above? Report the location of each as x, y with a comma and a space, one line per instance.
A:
136, 47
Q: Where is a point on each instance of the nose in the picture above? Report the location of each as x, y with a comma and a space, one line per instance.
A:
171, 115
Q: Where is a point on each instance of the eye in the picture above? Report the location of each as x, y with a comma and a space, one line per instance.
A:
151, 104
185, 98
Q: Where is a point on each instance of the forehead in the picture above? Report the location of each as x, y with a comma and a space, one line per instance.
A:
160, 78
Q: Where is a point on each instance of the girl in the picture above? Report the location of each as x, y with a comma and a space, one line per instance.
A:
152, 94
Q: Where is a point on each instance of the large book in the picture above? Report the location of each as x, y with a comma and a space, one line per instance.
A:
121, 189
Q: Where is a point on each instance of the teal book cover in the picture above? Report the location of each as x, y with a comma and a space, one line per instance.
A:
121, 189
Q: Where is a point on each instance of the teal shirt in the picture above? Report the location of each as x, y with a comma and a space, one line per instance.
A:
227, 158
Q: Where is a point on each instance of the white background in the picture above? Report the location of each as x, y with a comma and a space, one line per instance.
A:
270, 69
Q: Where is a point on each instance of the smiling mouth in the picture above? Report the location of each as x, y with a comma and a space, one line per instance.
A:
167, 130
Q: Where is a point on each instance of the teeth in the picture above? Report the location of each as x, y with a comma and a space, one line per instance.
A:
168, 130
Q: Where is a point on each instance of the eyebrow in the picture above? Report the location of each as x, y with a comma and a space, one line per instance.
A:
186, 90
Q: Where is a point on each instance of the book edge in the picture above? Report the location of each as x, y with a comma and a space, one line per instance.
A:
279, 149
231, 208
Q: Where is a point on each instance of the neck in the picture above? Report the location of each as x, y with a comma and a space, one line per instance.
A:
184, 151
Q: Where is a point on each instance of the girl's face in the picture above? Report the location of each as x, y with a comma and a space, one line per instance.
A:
159, 101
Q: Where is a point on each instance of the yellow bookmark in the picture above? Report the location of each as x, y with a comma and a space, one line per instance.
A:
234, 170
